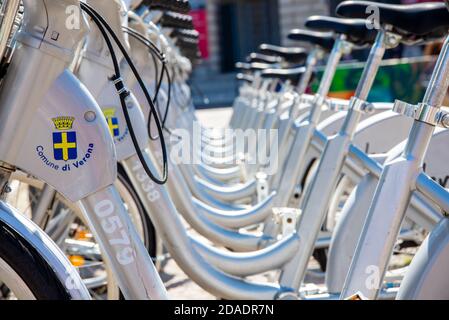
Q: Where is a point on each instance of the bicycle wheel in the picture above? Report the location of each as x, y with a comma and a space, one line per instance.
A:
24, 273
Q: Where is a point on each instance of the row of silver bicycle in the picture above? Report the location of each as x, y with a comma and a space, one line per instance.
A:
105, 169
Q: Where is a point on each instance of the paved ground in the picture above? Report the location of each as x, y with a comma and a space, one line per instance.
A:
179, 286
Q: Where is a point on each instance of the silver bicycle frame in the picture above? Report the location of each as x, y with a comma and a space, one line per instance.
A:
158, 204
304, 131
316, 202
121, 246
346, 234
218, 256
390, 202
135, 273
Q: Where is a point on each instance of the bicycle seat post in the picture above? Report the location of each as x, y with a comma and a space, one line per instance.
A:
304, 131
340, 47
383, 40
332, 64
312, 59
437, 89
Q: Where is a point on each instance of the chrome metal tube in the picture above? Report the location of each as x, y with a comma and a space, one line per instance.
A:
40, 212
121, 246
237, 219
165, 217
397, 182
249, 263
310, 67
236, 240
433, 191
316, 201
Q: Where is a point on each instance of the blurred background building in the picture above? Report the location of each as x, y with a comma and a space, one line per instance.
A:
231, 29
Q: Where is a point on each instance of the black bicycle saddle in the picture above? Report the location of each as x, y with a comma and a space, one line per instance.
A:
355, 30
292, 74
414, 22
325, 40
258, 57
290, 55
186, 33
179, 6
245, 77
176, 20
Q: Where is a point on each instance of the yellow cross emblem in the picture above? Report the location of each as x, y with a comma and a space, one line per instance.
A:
64, 145
113, 126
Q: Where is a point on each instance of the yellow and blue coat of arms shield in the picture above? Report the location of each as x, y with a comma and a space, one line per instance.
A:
64, 145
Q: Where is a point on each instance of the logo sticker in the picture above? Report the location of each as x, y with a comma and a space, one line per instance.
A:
114, 126
64, 143
65, 147
112, 121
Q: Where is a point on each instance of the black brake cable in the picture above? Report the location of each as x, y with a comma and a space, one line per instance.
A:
155, 50
169, 93
156, 68
123, 92
167, 106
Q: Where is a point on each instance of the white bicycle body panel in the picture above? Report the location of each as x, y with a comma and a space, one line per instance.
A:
28, 120
129, 259
161, 102
95, 77
94, 71
141, 57
94, 163
426, 277
58, 108
381, 132
144, 63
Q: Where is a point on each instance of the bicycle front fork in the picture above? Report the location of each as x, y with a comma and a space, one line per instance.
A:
121, 246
